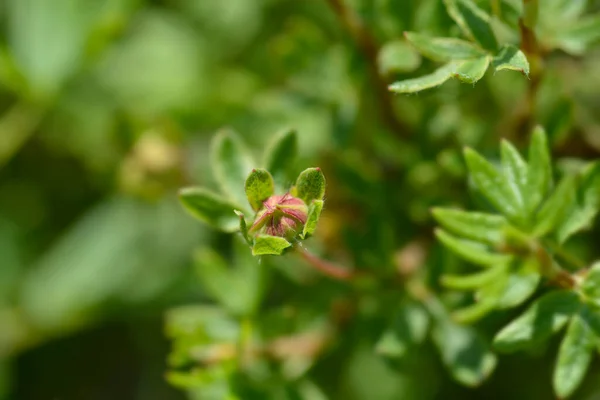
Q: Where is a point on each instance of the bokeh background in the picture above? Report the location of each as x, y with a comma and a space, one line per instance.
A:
107, 107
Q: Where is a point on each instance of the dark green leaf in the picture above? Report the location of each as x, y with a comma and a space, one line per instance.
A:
434, 79
280, 157
493, 186
473, 21
210, 208
471, 251
539, 180
443, 49
574, 357
591, 285
473, 70
546, 316
243, 227
408, 329
273, 245
231, 163
556, 208
259, 187
310, 185
314, 212
511, 58
477, 226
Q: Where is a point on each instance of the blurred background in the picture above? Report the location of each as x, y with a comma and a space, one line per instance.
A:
107, 107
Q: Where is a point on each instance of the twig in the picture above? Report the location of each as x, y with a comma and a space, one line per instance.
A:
327, 268
368, 46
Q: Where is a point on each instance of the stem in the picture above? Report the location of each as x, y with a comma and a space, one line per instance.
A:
496, 10
329, 269
551, 270
368, 46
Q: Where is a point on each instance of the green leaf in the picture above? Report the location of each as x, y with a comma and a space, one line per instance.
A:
475, 311
591, 285
521, 284
587, 204
471, 251
555, 208
511, 58
464, 352
280, 157
259, 187
434, 79
473, 21
231, 164
574, 357
310, 185
493, 186
408, 329
539, 179
473, 70
397, 56
543, 318
515, 170
473, 281
477, 226
577, 37
314, 212
243, 226
210, 208
443, 49
273, 245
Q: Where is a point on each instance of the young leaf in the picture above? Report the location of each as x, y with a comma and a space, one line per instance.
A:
475, 311
471, 251
587, 204
443, 49
515, 170
511, 58
555, 208
280, 156
210, 208
473, 21
231, 164
539, 179
546, 316
397, 56
464, 352
473, 281
259, 187
311, 185
408, 329
493, 186
477, 226
265, 244
314, 212
473, 70
434, 79
243, 226
520, 285
574, 357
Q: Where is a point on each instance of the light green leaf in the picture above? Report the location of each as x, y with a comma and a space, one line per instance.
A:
443, 49
464, 352
539, 180
515, 170
434, 79
273, 245
471, 251
511, 58
280, 157
574, 357
473, 21
545, 317
556, 208
231, 163
408, 329
474, 281
210, 208
259, 187
521, 284
310, 185
475, 311
473, 70
314, 212
243, 226
397, 56
577, 37
477, 226
493, 186
591, 285
587, 204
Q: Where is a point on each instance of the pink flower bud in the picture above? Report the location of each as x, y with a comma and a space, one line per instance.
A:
282, 216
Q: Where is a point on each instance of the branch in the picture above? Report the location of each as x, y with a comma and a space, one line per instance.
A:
369, 48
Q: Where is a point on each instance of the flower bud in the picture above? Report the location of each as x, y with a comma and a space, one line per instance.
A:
282, 216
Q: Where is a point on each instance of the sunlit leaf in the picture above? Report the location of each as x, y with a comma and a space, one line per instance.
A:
472, 225
471, 251
269, 245
259, 187
432, 80
472, 71
511, 58
443, 49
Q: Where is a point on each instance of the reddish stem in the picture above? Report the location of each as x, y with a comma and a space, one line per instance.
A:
327, 268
